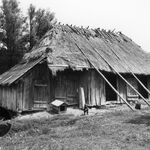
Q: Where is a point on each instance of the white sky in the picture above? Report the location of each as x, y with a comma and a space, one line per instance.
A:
131, 17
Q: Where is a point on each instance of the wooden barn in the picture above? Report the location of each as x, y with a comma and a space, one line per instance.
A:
68, 58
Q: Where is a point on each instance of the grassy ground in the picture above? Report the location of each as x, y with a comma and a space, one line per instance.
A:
112, 130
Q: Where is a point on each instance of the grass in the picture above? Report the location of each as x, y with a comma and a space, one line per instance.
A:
110, 130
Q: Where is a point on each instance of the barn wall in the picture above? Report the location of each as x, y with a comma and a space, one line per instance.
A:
94, 87
22, 95
27, 92
134, 83
122, 89
8, 97
40, 86
65, 86
15, 97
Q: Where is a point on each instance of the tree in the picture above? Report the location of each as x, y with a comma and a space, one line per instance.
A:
32, 32
13, 22
43, 22
40, 21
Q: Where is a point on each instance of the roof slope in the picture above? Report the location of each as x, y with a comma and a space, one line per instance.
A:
17, 71
115, 48
62, 47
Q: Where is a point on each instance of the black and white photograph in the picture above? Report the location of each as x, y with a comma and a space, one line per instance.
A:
74, 75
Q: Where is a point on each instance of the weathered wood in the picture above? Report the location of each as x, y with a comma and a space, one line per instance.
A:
135, 90
122, 89
41, 85
89, 88
123, 78
97, 90
105, 78
141, 83
81, 98
102, 91
129, 69
66, 86
93, 98
133, 82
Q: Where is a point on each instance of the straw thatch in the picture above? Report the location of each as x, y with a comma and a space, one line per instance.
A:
62, 46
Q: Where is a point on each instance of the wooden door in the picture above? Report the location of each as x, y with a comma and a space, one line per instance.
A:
66, 87
41, 86
72, 90
40, 95
130, 91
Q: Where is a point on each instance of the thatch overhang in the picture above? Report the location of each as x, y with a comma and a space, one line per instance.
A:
62, 45
17, 71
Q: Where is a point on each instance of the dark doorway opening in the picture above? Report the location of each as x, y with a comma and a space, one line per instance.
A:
141, 90
63, 108
110, 94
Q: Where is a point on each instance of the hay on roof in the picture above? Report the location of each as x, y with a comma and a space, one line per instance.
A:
66, 41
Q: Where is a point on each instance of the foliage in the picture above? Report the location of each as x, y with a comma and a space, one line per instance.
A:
40, 21
13, 22
22, 32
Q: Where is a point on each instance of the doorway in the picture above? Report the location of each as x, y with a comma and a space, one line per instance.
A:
141, 90
110, 94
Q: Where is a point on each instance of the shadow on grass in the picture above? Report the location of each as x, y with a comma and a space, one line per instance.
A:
143, 119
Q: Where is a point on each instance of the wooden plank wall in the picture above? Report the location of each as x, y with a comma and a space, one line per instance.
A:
94, 87
134, 83
8, 97
27, 92
65, 86
41, 89
122, 89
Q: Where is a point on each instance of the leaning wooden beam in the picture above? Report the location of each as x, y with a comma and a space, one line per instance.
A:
122, 77
129, 69
140, 82
133, 88
102, 75
105, 79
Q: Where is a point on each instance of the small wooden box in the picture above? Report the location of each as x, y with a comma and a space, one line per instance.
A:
58, 106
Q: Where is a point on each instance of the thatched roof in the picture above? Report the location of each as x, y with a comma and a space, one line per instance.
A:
17, 71
62, 46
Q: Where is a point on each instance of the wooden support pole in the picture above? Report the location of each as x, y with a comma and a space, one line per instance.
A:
103, 76
133, 88
140, 82
123, 78
128, 68
106, 79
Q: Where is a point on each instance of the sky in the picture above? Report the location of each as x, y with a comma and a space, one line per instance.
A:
131, 17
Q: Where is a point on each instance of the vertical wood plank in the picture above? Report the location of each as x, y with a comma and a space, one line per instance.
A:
93, 99
122, 89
